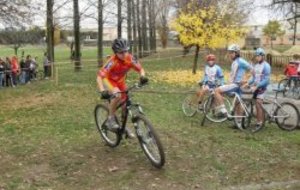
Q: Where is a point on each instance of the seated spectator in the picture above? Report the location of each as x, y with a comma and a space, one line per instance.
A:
2, 74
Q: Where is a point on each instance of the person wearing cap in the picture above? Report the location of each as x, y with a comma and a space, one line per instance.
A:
239, 67
259, 82
213, 77
111, 78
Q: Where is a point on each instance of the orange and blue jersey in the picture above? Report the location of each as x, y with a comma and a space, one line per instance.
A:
113, 73
115, 69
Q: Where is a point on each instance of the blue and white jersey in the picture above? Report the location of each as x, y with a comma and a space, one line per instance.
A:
212, 74
261, 75
238, 68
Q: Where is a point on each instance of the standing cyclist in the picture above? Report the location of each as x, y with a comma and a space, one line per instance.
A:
111, 79
259, 82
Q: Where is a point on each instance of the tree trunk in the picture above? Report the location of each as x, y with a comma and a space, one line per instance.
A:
140, 40
295, 31
153, 25
271, 43
164, 31
196, 59
134, 28
50, 31
144, 28
77, 54
129, 21
119, 18
16, 50
152, 28
150, 25
100, 33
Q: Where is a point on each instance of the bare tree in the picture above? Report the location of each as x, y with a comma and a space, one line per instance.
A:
291, 11
50, 30
120, 19
152, 25
77, 53
134, 27
144, 27
163, 14
16, 11
139, 28
129, 21
100, 33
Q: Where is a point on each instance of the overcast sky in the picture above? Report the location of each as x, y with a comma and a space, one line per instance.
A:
258, 16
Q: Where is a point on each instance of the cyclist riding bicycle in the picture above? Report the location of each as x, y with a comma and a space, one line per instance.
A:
259, 82
213, 74
111, 79
239, 67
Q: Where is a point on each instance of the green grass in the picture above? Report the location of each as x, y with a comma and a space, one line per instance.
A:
48, 140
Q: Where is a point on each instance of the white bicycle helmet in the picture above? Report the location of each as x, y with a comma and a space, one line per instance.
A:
234, 48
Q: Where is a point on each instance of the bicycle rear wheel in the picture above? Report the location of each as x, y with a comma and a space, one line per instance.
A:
112, 139
249, 123
211, 112
287, 116
190, 105
149, 141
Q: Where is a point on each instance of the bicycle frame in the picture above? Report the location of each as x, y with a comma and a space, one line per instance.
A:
238, 100
275, 105
126, 106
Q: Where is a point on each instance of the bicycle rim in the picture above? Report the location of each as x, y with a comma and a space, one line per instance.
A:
190, 105
211, 111
287, 116
150, 142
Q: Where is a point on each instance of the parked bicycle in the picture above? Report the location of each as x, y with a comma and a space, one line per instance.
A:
190, 105
290, 87
285, 114
148, 138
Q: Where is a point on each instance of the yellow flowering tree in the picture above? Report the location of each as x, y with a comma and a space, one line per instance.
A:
204, 28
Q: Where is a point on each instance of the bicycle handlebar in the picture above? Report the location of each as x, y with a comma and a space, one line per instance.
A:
135, 86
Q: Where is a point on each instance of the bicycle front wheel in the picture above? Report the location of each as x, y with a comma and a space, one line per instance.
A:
287, 116
211, 112
284, 86
190, 105
112, 139
150, 142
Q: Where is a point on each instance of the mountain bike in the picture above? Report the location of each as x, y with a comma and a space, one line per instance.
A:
190, 105
290, 87
147, 137
285, 114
